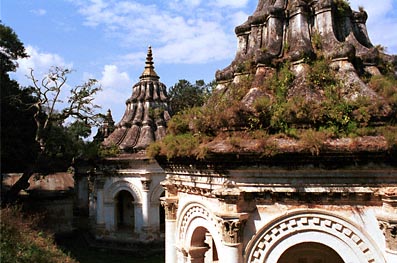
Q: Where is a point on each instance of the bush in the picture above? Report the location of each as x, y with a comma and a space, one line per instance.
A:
21, 241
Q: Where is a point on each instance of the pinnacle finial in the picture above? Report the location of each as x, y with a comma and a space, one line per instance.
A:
149, 72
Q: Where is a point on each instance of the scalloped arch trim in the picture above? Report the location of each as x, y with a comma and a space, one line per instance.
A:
260, 248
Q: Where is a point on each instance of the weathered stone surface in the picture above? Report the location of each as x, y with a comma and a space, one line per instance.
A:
145, 118
298, 31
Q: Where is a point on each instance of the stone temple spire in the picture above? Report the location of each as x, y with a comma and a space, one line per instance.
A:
149, 73
146, 113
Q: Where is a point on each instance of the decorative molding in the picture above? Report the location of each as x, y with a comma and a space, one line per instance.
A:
309, 221
115, 188
155, 195
146, 184
229, 227
196, 211
232, 230
171, 207
389, 228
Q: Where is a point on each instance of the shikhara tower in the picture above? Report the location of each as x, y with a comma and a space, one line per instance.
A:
146, 114
120, 195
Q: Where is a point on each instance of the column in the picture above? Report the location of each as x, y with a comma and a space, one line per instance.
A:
197, 254
145, 207
299, 44
99, 185
387, 220
232, 234
171, 208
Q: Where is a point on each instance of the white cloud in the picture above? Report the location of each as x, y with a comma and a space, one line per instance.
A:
39, 12
112, 78
196, 34
231, 3
239, 17
382, 21
40, 62
116, 88
193, 2
377, 9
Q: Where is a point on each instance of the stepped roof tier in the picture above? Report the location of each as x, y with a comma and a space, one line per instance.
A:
298, 29
305, 79
146, 114
106, 128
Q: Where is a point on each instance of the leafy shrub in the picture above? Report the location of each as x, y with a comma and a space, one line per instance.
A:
21, 241
109, 151
180, 145
342, 7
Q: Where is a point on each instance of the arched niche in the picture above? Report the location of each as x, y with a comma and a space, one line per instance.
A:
124, 211
310, 252
339, 234
112, 206
198, 233
116, 187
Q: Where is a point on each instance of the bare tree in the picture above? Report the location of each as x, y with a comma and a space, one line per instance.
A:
49, 109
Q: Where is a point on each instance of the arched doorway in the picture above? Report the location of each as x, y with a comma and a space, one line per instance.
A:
310, 252
125, 210
202, 247
162, 215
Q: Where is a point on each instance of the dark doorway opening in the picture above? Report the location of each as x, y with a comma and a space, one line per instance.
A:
310, 252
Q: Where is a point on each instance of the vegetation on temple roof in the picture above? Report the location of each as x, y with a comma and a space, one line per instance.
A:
318, 86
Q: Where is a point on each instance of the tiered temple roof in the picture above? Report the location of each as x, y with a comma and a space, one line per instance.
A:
293, 30
146, 114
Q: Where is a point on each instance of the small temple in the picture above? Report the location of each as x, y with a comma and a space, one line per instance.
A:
146, 113
120, 194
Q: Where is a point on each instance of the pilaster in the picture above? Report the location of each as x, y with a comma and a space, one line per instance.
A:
232, 229
171, 208
388, 219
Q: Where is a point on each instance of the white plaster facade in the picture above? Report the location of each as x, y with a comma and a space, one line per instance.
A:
122, 197
263, 215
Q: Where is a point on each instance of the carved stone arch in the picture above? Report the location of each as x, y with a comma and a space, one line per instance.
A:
115, 188
156, 194
195, 215
313, 226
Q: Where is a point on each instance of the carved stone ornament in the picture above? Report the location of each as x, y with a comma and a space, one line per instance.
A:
146, 184
171, 207
232, 231
233, 228
389, 228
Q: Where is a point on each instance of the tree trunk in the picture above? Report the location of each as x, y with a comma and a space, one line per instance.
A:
11, 195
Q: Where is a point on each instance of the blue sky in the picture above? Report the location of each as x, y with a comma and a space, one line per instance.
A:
108, 39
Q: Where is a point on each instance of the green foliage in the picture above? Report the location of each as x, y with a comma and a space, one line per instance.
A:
11, 49
21, 241
248, 66
280, 81
342, 7
277, 112
320, 74
109, 151
316, 40
386, 86
184, 95
390, 134
181, 145
18, 145
314, 140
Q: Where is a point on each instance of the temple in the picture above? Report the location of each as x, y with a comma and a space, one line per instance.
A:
295, 30
279, 199
262, 197
118, 196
